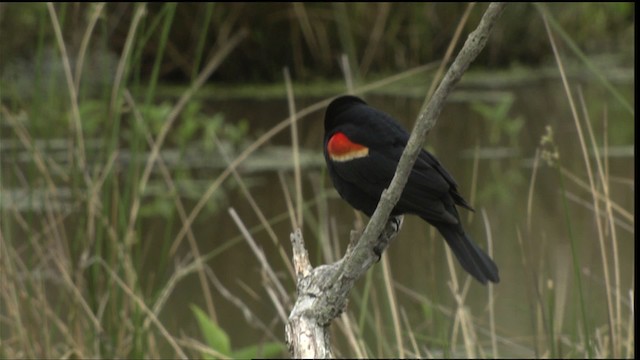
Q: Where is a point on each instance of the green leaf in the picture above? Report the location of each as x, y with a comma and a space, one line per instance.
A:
215, 337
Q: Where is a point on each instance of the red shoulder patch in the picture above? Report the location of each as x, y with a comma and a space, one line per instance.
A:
341, 148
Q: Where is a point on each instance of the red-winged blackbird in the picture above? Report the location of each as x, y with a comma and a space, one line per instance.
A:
362, 147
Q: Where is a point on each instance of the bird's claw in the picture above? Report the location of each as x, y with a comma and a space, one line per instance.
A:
378, 251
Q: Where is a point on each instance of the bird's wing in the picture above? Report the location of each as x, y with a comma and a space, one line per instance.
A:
427, 161
428, 192
422, 195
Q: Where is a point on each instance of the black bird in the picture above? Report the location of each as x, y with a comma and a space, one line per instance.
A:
362, 148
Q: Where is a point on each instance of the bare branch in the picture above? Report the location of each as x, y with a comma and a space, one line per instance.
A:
322, 291
427, 119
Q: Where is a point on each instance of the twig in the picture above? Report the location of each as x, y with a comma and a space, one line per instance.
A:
322, 292
282, 294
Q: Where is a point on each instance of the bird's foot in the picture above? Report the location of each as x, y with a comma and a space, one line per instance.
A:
378, 250
391, 230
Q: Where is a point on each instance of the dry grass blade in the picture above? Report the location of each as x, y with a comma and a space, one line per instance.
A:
532, 184
620, 223
11, 296
251, 318
73, 91
27, 142
375, 37
464, 321
295, 147
492, 317
78, 293
128, 45
180, 273
95, 15
393, 304
254, 205
287, 200
449, 52
631, 327
346, 70
170, 339
534, 299
412, 338
603, 250
616, 207
282, 294
474, 180
346, 325
201, 348
561, 273
307, 30
617, 342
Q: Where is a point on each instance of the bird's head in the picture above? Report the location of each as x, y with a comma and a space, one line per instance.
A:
339, 105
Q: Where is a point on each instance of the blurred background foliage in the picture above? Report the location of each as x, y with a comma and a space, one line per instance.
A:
308, 37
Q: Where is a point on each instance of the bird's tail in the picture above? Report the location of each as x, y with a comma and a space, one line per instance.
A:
472, 258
